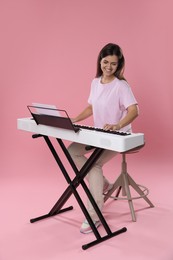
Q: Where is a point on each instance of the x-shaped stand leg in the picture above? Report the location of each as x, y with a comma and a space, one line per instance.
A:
71, 189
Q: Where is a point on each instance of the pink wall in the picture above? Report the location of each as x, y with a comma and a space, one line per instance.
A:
48, 52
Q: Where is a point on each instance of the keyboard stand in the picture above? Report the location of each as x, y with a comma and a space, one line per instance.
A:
72, 189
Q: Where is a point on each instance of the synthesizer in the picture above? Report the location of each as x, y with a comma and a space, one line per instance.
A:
115, 141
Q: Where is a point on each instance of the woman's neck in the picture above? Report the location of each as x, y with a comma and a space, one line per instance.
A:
105, 79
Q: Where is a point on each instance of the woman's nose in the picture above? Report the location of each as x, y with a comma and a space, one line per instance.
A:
109, 65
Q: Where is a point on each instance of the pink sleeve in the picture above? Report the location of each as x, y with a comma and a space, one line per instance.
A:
127, 97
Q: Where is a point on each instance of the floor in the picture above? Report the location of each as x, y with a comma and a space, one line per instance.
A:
32, 188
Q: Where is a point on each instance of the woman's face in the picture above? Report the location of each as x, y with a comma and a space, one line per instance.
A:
109, 65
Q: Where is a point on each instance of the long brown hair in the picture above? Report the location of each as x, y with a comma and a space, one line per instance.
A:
111, 49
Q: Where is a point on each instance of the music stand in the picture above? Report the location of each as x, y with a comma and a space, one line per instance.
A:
52, 117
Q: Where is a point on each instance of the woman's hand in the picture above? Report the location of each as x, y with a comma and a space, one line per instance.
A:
112, 127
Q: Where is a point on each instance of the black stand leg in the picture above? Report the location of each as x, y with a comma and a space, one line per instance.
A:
71, 189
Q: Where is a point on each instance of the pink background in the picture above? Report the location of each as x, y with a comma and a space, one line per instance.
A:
48, 52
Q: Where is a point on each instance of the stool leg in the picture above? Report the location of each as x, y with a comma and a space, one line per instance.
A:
118, 192
139, 191
128, 194
126, 186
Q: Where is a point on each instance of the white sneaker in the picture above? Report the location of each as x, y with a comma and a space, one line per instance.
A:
86, 228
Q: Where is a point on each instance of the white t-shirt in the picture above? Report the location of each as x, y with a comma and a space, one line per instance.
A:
110, 102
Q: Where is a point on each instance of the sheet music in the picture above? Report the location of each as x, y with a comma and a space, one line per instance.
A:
46, 109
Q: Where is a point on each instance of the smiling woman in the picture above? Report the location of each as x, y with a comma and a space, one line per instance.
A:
114, 107
110, 55
109, 66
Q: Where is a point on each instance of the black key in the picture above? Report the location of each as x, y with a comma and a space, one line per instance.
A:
101, 130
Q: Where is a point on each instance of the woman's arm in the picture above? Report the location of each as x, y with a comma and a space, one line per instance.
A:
132, 113
87, 112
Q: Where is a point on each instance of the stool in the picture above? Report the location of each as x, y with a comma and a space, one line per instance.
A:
124, 181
